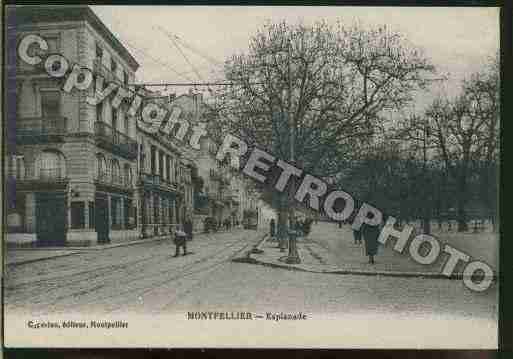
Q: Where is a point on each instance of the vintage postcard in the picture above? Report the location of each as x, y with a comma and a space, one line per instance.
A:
216, 176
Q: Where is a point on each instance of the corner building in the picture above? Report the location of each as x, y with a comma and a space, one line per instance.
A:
70, 166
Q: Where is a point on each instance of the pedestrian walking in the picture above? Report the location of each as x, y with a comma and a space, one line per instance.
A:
370, 236
180, 241
272, 224
307, 226
187, 228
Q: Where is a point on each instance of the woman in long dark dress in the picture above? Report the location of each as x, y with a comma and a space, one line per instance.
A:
357, 235
370, 236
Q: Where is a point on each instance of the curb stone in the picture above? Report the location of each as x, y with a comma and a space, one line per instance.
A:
78, 250
430, 275
14, 264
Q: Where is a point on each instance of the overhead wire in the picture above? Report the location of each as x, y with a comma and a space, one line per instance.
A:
145, 53
181, 52
191, 48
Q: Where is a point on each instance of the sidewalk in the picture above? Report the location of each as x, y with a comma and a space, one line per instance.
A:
330, 249
16, 256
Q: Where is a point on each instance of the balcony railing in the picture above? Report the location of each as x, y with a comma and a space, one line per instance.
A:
215, 175
44, 175
115, 180
40, 129
51, 174
115, 141
157, 181
148, 178
118, 180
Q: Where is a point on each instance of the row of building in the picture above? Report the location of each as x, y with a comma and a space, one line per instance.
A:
78, 174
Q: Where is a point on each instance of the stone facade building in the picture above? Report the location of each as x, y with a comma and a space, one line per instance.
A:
72, 165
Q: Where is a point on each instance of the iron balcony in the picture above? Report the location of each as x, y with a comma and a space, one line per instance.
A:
115, 141
156, 182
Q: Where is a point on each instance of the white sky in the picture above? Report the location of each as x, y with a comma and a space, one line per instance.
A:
457, 40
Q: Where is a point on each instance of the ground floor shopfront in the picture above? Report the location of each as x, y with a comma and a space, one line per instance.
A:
161, 212
57, 214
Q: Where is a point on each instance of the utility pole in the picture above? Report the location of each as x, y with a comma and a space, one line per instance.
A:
293, 257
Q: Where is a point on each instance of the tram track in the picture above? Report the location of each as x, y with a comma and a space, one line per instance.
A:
107, 278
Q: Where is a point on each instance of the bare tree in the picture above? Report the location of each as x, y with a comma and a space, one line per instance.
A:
466, 132
321, 87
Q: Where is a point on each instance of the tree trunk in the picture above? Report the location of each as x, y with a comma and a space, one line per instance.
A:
462, 201
282, 222
426, 225
462, 215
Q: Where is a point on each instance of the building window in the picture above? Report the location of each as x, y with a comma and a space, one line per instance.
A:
102, 168
77, 215
128, 176
171, 205
125, 78
16, 167
113, 65
116, 212
153, 154
115, 118
171, 169
99, 53
91, 214
116, 172
161, 164
168, 168
142, 160
99, 112
50, 165
50, 103
127, 124
129, 216
156, 209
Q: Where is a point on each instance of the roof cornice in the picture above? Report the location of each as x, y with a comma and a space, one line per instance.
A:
56, 13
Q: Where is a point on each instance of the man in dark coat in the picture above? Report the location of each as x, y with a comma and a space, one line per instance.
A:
187, 228
272, 224
370, 236
307, 226
180, 241
357, 235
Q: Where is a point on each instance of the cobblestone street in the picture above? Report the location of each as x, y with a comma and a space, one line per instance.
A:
120, 278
